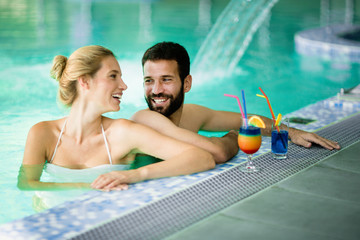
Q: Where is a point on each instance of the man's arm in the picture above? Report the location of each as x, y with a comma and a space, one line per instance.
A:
220, 121
222, 149
224, 121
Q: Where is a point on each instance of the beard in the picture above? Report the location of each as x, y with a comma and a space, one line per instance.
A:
175, 103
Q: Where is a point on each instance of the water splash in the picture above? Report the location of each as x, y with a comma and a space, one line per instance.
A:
230, 36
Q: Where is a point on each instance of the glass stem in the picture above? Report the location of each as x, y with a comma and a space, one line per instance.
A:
250, 163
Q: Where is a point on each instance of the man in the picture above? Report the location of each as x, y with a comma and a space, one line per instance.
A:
166, 69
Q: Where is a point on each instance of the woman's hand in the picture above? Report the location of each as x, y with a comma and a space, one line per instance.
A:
115, 180
227, 146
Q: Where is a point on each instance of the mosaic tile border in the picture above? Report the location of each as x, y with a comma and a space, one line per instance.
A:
95, 208
161, 219
326, 43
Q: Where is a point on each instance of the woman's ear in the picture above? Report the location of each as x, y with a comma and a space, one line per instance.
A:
187, 83
83, 82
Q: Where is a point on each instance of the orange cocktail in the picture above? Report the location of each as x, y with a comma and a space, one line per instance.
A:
249, 141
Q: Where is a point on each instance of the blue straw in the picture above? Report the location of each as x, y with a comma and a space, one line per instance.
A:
244, 103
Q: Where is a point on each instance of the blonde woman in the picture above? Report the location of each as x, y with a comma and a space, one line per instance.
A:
86, 145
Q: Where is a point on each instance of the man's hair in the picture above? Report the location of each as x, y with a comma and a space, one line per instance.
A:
169, 51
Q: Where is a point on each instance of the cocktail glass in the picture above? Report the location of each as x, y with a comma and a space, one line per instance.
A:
279, 140
249, 141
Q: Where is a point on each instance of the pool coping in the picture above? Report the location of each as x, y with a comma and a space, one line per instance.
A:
327, 43
97, 208
185, 208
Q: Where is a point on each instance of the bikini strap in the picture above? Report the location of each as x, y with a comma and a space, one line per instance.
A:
106, 144
58, 141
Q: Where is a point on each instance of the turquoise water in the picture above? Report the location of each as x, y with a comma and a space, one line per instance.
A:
33, 32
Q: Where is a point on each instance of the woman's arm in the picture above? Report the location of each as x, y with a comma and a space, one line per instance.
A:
180, 158
223, 148
29, 179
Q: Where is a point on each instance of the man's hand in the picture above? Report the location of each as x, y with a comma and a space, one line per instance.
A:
306, 139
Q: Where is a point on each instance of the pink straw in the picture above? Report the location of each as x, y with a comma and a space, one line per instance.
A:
238, 100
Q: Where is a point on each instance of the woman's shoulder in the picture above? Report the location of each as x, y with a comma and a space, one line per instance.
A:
119, 122
122, 127
117, 125
47, 127
118, 130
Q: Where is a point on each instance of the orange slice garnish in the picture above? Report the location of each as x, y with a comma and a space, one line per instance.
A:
256, 121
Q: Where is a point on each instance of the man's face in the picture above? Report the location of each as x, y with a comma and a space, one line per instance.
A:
163, 89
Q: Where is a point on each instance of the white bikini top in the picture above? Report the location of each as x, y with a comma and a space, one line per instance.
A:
61, 133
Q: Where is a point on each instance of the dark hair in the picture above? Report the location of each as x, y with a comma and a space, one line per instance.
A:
169, 51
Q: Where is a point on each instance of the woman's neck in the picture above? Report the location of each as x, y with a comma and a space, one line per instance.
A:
83, 121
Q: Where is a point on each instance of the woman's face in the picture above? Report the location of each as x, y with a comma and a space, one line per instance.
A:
107, 86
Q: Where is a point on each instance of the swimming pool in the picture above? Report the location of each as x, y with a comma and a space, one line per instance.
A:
36, 31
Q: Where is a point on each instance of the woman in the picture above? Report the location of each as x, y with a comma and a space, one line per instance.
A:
85, 142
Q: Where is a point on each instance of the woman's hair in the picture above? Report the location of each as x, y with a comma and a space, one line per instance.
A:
82, 62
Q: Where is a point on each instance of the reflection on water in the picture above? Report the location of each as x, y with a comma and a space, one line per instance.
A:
38, 30
337, 12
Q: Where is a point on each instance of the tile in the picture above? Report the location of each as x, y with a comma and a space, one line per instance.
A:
301, 211
223, 227
348, 160
327, 182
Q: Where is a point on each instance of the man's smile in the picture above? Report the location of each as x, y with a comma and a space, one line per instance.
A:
160, 101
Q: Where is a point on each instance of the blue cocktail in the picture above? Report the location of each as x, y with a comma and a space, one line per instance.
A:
279, 144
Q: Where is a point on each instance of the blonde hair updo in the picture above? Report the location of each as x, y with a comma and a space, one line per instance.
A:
82, 62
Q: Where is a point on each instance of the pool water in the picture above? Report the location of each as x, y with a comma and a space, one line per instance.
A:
33, 32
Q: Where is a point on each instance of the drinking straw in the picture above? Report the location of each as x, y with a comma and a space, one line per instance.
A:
244, 103
278, 119
272, 112
260, 96
238, 100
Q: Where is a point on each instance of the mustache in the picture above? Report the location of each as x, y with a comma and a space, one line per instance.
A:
160, 95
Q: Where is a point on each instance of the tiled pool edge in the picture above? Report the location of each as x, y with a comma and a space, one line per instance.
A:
182, 209
96, 208
327, 43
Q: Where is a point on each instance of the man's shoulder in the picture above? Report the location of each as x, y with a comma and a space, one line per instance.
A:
147, 116
196, 109
191, 106
144, 112
194, 116
140, 114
